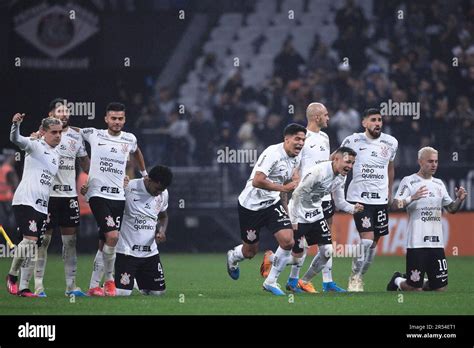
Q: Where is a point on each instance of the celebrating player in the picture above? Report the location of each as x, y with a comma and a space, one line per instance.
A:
63, 207
424, 196
316, 150
110, 149
371, 186
146, 202
307, 216
30, 202
260, 205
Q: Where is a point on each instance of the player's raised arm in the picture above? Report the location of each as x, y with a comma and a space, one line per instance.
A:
454, 206
15, 137
342, 204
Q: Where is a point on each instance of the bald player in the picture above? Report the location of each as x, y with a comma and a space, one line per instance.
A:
315, 150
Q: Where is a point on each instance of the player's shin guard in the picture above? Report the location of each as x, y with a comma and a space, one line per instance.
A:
24, 249
359, 260
41, 263
281, 259
368, 260
70, 260
108, 254
319, 261
98, 271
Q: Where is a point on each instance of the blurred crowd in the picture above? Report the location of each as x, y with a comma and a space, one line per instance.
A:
428, 49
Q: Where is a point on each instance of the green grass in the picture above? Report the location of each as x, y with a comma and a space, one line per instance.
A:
199, 284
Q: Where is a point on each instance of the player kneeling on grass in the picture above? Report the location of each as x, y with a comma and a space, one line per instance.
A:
306, 212
424, 197
146, 202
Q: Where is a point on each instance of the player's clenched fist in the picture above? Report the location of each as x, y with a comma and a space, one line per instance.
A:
461, 193
290, 186
18, 118
358, 208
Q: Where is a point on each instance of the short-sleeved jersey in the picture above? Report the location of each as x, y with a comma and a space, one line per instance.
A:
109, 156
70, 148
424, 215
140, 218
369, 184
275, 163
305, 205
316, 149
41, 166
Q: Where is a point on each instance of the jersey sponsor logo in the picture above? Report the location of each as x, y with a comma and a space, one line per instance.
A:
108, 189
32, 226
42, 203
370, 195
427, 214
366, 222
125, 278
386, 142
109, 221
126, 139
251, 235
113, 150
312, 214
415, 275
62, 188
88, 131
144, 248
362, 148
142, 224
432, 239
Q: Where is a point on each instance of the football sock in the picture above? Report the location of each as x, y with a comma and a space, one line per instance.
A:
359, 260
281, 259
98, 271
369, 259
237, 255
41, 262
318, 262
23, 249
108, 254
70, 260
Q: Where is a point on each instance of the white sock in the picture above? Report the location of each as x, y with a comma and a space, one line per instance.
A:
296, 266
237, 255
23, 249
281, 259
319, 261
368, 260
122, 292
27, 270
108, 254
41, 262
327, 271
98, 271
359, 260
155, 292
398, 281
70, 261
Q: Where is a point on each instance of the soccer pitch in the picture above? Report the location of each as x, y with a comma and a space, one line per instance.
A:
199, 284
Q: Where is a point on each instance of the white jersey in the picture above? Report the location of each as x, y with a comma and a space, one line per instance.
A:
369, 184
275, 163
424, 215
109, 156
140, 217
316, 149
306, 203
70, 148
41, 165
